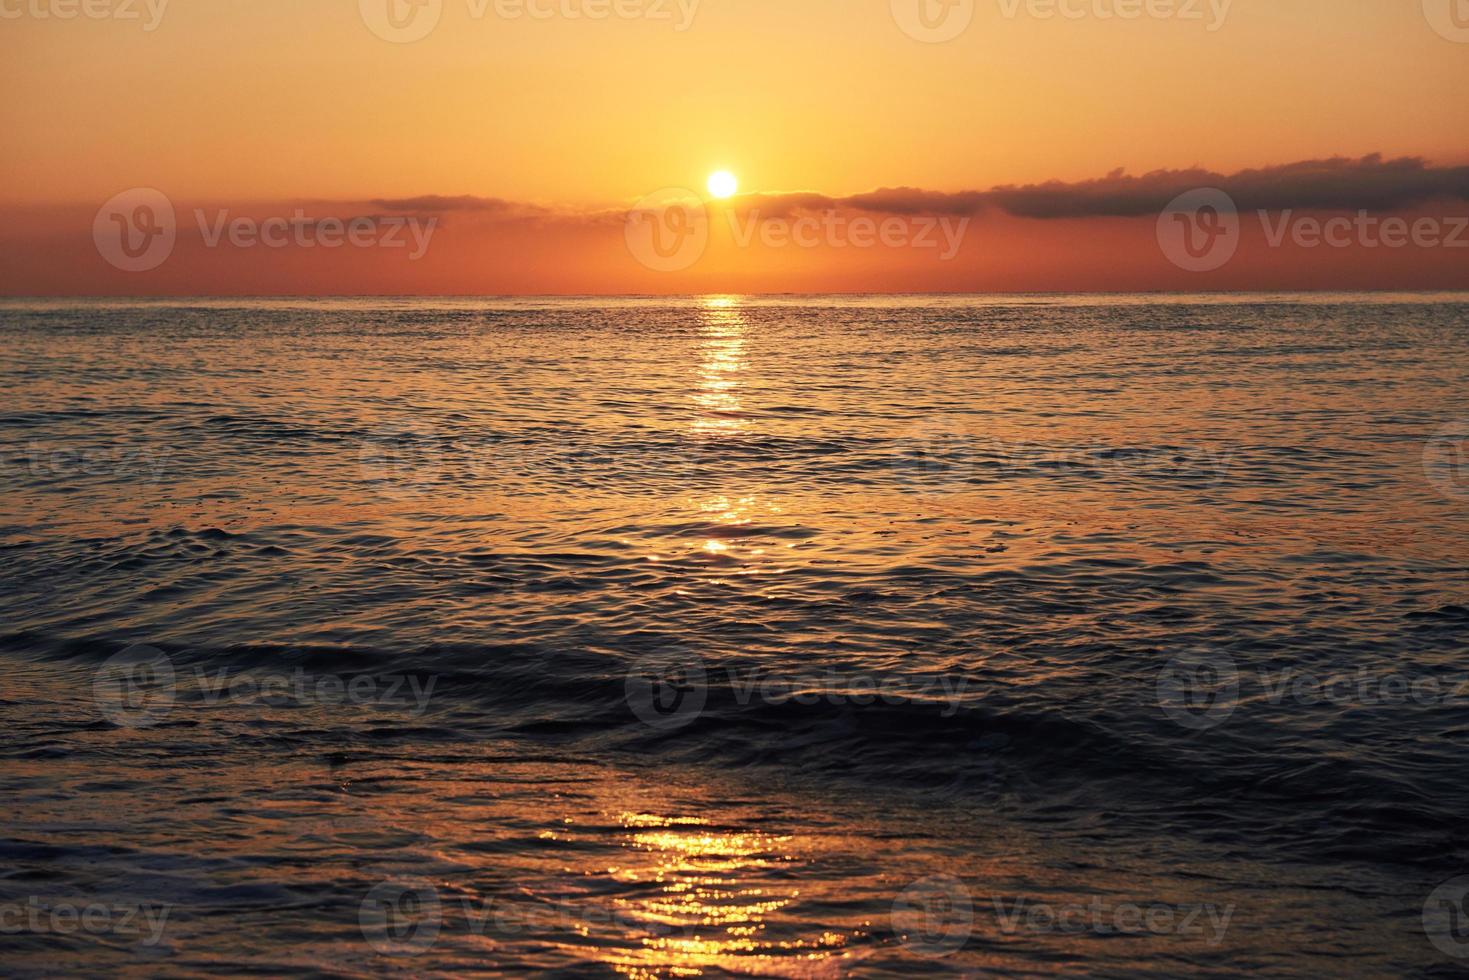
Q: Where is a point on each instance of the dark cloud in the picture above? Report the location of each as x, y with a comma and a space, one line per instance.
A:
1371, 184
430, 203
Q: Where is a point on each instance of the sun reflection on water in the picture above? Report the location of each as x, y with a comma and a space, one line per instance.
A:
722, 328
712, 902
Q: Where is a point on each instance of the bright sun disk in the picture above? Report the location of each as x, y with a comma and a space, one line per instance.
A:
723, 184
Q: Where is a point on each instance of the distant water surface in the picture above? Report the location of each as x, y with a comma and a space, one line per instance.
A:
730, 636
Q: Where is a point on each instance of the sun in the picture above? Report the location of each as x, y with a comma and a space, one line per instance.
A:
723, 184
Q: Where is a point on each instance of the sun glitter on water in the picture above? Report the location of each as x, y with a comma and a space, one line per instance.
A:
723, 184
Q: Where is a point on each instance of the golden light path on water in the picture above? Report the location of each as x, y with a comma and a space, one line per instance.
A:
713, 892
712, 899
723, 329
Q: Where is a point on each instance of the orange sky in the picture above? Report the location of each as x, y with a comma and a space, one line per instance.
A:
284, 104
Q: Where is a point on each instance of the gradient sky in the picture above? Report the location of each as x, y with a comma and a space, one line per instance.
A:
272, 103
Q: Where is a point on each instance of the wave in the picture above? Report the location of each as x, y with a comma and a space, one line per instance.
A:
1056, 763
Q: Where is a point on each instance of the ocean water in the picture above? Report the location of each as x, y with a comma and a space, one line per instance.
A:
726, 636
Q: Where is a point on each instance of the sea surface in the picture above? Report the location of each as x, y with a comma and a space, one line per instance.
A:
727, 636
